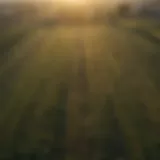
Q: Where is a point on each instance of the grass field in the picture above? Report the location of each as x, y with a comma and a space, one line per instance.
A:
150, 25
74, 83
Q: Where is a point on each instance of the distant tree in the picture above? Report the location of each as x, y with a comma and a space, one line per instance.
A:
123, 9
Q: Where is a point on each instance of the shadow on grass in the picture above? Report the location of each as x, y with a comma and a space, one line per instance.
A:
147, 35
8, 44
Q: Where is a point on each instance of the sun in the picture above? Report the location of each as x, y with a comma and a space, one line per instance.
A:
76, 1
73, 2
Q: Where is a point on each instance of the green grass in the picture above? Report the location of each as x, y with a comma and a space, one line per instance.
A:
139, 22
149, 25
116, 65
156, 32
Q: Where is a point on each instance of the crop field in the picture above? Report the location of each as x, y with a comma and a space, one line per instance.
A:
91, 89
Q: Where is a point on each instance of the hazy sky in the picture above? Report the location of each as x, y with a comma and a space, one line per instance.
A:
80, 0
106, 1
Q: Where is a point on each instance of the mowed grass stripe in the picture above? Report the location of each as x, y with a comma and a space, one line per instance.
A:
43, 68
27, 82
25, 48
43, 126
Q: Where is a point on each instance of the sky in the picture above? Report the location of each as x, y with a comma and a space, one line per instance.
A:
80, 0
99, 1
89, 0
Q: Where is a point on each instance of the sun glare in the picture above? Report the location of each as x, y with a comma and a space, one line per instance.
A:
73, 2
